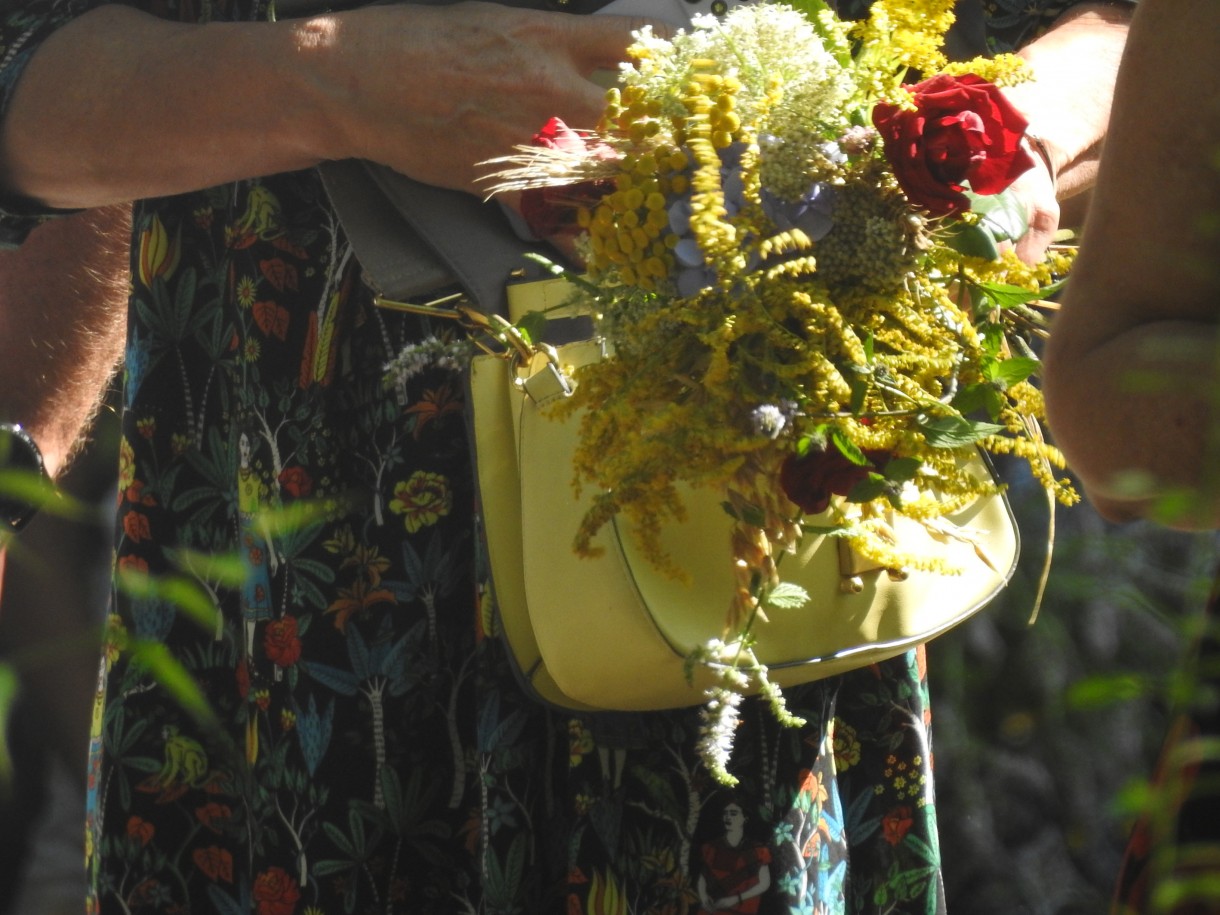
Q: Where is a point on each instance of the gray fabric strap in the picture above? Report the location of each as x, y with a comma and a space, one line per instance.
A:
413, 239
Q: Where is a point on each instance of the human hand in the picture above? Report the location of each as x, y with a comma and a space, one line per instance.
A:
435, 91
1036, 189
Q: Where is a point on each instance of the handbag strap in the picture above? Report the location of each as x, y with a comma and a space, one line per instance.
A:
413, 239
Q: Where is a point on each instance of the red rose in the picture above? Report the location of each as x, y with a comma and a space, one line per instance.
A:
296, 481
281, 643
275, 892
551, 211
962, 130
811, 480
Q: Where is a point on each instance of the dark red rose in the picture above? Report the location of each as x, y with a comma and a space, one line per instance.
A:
962, 130
810, 481
281, 643
275, 892
551, 211
296, 481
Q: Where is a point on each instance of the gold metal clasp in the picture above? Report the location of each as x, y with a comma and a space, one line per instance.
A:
542, 377
491, 333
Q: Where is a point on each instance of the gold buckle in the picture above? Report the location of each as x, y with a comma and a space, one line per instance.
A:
490, 333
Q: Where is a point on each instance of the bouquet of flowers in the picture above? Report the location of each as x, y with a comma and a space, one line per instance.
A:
796, 260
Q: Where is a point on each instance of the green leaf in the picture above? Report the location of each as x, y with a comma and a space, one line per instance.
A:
815, 438
8, 695
748, 514
993, 337
1002, 295
993, 402
859, 391
956, 431
901, 469
1102, 690
971, 239
1003, 215
183, 594
868, 489
786, 596
173, 677
532, 326
1012, 371
972, 397
848, 448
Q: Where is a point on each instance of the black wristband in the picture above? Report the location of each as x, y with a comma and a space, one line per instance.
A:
24, 483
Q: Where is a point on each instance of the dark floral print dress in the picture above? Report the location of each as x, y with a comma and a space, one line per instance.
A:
368, 748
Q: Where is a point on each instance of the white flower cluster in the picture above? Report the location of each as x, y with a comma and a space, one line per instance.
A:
429, 353
773, 49
719, 718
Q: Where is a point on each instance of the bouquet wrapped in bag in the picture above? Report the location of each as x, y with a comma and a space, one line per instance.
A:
799, 264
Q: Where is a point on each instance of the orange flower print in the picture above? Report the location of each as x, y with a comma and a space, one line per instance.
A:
360, 596
276, 892
136, 495
212, 813
140, 829
132, 565
896, 824
811, 787
135, 526
422, 500
214, 863
436, 403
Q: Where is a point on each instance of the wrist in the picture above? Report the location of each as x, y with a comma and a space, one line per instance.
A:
320, 79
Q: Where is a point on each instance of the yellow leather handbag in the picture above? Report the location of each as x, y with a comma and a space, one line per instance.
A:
613, 632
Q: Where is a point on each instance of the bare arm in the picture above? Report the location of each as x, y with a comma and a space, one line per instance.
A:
118, 105
63, 303
1132, 366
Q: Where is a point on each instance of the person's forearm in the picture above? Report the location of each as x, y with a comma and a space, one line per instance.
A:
118, 105
63, 302
139, 111
1140, 420
1132, 367
1068, 101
